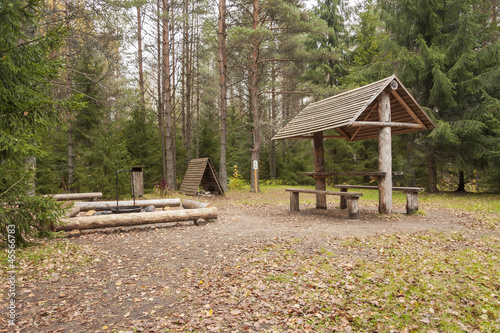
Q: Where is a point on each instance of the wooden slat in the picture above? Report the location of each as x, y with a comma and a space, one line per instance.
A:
343, 194
368, 187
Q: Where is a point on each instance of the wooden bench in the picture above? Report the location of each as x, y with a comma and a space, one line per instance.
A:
351, 200
411, 195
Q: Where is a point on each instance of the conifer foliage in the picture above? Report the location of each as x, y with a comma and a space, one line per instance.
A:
26, 111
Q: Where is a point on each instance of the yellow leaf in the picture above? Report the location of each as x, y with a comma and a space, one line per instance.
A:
210, 313
104, 328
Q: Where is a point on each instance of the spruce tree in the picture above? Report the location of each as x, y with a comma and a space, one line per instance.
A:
27, 67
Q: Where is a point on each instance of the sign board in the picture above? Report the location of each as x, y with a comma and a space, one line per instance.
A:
255, 165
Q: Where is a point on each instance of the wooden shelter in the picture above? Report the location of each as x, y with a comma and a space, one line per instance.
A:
377, 110
200, 171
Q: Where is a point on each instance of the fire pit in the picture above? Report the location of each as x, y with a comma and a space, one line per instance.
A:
126, 209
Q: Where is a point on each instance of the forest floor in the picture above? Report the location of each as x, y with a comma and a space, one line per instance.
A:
260, 267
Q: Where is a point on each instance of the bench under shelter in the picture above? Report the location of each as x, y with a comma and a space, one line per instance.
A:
377, 110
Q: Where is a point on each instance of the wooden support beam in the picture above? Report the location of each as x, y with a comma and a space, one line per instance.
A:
385, 124
411, 202
294, 201
324, 137
385, 155
353, 208
367, 116
319, 166
407, 108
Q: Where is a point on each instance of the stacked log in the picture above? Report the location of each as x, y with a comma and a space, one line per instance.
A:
158, 203
121, 220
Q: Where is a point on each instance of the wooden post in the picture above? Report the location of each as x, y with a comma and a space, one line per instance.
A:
411, 202
384, 155
353, 208
319, 166
294, 201
343, 200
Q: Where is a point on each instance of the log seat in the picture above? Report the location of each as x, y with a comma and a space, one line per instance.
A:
411, 195
351, 199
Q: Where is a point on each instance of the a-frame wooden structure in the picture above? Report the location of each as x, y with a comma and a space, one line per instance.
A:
201, 171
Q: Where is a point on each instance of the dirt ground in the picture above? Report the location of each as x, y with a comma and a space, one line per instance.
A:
140, 277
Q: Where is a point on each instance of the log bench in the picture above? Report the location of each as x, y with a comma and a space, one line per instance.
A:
411, 195
351, 200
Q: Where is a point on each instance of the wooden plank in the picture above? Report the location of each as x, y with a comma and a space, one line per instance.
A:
318, 174
369, 187
345, 194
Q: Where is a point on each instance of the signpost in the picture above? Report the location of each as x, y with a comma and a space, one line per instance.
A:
255, 168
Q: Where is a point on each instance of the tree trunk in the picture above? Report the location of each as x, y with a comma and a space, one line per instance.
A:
461, 182
169, 140
272, 148
187, 64
139, 55
174, 102
160, 104
432, 170
221, 52
254, 93
121, 220
31, 166
71, 154
198, 89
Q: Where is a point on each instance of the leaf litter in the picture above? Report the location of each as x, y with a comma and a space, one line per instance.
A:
260, 268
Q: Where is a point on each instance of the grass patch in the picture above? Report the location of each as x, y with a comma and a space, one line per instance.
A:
484, 208
407, 283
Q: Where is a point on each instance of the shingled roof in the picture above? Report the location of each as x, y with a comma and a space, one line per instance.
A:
350, 113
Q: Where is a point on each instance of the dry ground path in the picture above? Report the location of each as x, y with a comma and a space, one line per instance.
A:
145, 278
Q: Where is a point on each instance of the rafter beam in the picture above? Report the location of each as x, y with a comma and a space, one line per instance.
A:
385, 123
407, 108
324, 137
366, 117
